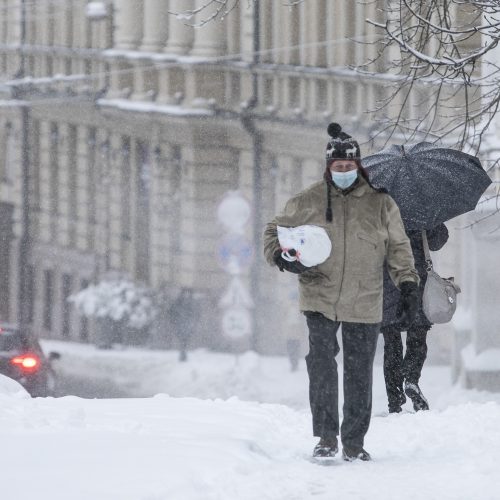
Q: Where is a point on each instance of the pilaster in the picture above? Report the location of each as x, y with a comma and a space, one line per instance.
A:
180, 35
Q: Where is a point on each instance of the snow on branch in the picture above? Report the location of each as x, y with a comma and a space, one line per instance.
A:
217, 10
445, 57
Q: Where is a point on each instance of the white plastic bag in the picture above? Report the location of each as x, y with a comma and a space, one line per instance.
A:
311, 244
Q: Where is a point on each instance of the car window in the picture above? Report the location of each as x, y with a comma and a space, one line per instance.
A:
10, 341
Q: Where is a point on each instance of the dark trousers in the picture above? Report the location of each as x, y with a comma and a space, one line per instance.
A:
359, 341
398, 368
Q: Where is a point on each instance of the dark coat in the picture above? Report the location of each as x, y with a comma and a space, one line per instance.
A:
436, 237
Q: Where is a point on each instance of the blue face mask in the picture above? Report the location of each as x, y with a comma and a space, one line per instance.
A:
344, 179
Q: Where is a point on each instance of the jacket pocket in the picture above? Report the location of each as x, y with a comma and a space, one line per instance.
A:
368, 302
368, 239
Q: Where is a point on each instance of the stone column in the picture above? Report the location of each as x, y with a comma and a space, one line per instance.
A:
171, 85
233, 37
145, 80
340, 18
6, 269
246, 31
62, 38
278, 38
210, 39
80, 38
82, 192
13, 36
128, 24
155, 25
180, 36
289, 22
266, 31
63, 185
45, 182
481, 357
115, 202
46, 36
331, 34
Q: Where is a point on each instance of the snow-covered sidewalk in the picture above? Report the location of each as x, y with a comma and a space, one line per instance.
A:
192, 448
165, 448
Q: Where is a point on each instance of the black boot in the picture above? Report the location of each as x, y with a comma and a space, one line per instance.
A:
396, 402
415, 394
350, 454
326, 448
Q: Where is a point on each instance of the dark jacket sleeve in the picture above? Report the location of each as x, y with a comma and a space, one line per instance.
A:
437, 237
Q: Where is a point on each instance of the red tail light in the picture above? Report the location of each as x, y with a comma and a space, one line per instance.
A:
28, 363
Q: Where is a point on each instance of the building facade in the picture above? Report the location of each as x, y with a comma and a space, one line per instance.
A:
125, 127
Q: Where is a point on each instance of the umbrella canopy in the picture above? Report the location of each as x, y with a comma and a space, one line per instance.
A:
430, 184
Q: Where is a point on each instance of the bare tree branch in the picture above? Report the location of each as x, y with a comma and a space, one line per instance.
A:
444, 49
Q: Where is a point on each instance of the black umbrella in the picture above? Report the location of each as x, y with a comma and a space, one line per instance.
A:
430, 184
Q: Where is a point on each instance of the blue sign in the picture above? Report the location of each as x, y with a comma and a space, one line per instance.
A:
235, 253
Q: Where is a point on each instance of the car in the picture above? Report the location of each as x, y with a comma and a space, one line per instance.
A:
22, 359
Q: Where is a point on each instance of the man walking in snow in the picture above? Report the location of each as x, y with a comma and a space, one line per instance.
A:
365, 228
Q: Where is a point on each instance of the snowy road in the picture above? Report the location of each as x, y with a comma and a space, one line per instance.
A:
204, 448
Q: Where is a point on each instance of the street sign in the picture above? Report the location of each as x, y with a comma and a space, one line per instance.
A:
236, 295
235, 253
236, 323
234, 212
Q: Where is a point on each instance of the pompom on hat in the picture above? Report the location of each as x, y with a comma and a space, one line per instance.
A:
341, 146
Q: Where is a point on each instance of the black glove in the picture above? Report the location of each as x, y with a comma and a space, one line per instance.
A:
408, 303
292, 267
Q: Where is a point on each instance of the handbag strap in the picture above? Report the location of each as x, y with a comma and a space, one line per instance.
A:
427, 252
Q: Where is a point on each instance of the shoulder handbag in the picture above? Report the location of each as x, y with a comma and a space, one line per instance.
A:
439, 300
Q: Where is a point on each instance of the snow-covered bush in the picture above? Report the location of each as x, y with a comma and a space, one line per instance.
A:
119, 300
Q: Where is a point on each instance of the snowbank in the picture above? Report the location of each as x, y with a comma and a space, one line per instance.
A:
11, 388
167, 448
164, 448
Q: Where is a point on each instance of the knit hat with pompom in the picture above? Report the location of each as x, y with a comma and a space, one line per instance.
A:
341, 146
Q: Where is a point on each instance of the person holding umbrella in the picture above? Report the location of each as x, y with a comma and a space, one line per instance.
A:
430, 185
399, 370
365, 229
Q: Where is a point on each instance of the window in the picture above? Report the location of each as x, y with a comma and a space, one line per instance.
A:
9, 154
91, 187
84, 321
72, 191
268, 87
48, 298
322, 95
67, 285
54, 180
143, 183
30, 293
294, 92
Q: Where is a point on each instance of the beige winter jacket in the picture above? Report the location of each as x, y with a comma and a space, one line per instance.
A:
366, 229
